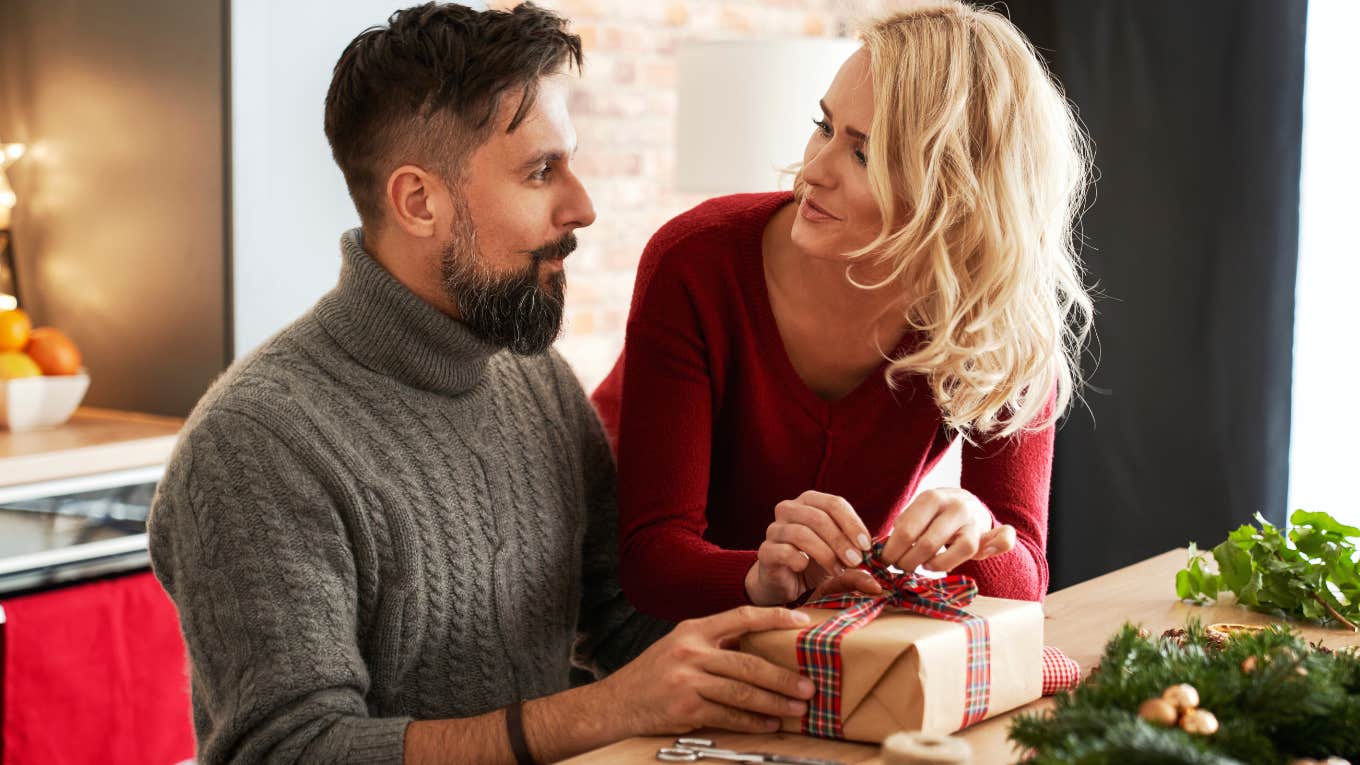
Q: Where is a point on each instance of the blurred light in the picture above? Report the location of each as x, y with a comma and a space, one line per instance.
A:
10, 153
8, 302
7, 202
745, 109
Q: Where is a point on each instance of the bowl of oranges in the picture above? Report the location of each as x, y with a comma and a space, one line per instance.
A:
41, 380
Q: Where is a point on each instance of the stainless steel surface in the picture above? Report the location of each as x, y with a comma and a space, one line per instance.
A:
61, 537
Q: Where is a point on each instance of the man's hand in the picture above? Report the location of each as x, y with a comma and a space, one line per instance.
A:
692, 678
689, 679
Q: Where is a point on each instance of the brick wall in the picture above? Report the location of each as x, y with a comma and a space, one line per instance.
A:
624, 108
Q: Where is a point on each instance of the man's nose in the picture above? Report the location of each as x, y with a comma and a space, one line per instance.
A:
577, 211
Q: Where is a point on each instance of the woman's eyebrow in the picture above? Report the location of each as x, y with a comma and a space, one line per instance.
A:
854, 132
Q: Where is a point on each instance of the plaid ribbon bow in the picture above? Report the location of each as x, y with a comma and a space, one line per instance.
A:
819, 654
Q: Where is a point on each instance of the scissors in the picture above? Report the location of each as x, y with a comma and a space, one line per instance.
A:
695, 749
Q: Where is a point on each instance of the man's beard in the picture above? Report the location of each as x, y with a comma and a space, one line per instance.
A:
511, 311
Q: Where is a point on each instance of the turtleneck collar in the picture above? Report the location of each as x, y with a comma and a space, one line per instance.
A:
393, 332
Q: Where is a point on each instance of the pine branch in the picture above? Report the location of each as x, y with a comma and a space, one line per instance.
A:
1275, 696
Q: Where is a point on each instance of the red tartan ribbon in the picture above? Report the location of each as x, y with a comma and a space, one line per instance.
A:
819, 647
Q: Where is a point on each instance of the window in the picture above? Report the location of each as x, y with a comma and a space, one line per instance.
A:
1323, 460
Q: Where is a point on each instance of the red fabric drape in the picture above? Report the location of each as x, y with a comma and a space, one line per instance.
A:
95, 673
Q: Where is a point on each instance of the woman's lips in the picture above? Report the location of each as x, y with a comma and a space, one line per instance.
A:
811, 211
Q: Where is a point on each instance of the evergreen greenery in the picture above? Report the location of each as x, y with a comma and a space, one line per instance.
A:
1296, 701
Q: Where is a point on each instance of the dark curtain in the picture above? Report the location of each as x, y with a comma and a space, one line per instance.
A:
1195, 110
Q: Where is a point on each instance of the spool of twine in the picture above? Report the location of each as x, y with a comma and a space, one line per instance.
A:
916, 748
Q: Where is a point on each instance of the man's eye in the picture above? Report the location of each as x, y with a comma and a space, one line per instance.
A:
823, 127
542, 173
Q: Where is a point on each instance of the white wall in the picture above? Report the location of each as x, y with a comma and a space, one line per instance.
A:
289, 204
1322, 459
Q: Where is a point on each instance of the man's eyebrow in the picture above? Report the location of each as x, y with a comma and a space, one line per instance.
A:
547, 157
856, 134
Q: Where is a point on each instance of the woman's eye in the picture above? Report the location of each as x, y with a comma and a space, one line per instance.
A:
823, 127
861, 158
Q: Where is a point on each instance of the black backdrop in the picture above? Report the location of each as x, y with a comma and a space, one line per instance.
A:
1195, 110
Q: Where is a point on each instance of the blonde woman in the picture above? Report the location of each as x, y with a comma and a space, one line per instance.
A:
796, 362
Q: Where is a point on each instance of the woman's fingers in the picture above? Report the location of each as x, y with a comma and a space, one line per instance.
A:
997, 541
854, 580
909, 527
943, 528
806, 540
844, 516
952, 520
958, 550
782, 554
824, 526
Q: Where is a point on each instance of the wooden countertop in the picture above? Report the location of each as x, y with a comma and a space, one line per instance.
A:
92, 441
1078, 620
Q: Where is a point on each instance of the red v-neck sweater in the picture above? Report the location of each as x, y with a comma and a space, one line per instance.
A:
713, 427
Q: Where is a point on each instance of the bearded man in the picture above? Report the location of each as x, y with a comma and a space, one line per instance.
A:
390, 531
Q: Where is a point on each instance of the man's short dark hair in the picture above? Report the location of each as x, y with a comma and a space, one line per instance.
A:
426, 88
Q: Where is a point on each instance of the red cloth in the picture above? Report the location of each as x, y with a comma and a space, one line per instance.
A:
713, 428
96, 673
1061, 672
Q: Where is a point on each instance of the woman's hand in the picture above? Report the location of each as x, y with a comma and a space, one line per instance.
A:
813, 538
952, 519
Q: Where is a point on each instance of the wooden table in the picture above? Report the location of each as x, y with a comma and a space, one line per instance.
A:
1078, 620
92, 441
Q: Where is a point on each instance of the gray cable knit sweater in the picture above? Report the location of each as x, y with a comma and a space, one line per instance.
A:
377, 517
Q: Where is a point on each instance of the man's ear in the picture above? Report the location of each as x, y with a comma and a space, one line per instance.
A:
410, 200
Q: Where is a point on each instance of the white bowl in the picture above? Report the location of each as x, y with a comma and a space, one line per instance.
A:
29, 403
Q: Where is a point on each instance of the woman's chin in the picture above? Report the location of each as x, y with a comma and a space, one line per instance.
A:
814, 244
805, 239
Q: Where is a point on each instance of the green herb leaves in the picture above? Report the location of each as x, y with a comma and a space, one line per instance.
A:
1311, 573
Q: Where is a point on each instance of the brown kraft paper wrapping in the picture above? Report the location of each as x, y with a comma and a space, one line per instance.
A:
904, 671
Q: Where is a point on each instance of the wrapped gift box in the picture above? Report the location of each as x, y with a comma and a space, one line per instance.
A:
904, 671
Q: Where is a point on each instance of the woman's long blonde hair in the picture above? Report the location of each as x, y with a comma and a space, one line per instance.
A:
979, 167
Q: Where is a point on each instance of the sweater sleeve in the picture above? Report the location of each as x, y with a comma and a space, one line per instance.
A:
248, 543
610, 631
663, 389
1011, 477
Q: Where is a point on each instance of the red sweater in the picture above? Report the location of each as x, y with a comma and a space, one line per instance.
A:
713, 428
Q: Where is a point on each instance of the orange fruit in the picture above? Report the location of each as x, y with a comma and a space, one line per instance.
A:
14, 329
14, 365
53, 351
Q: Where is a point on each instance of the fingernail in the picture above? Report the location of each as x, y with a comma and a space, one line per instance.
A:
772, 725
796, 708
805, 687
863, 542
853, 557
800, 617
